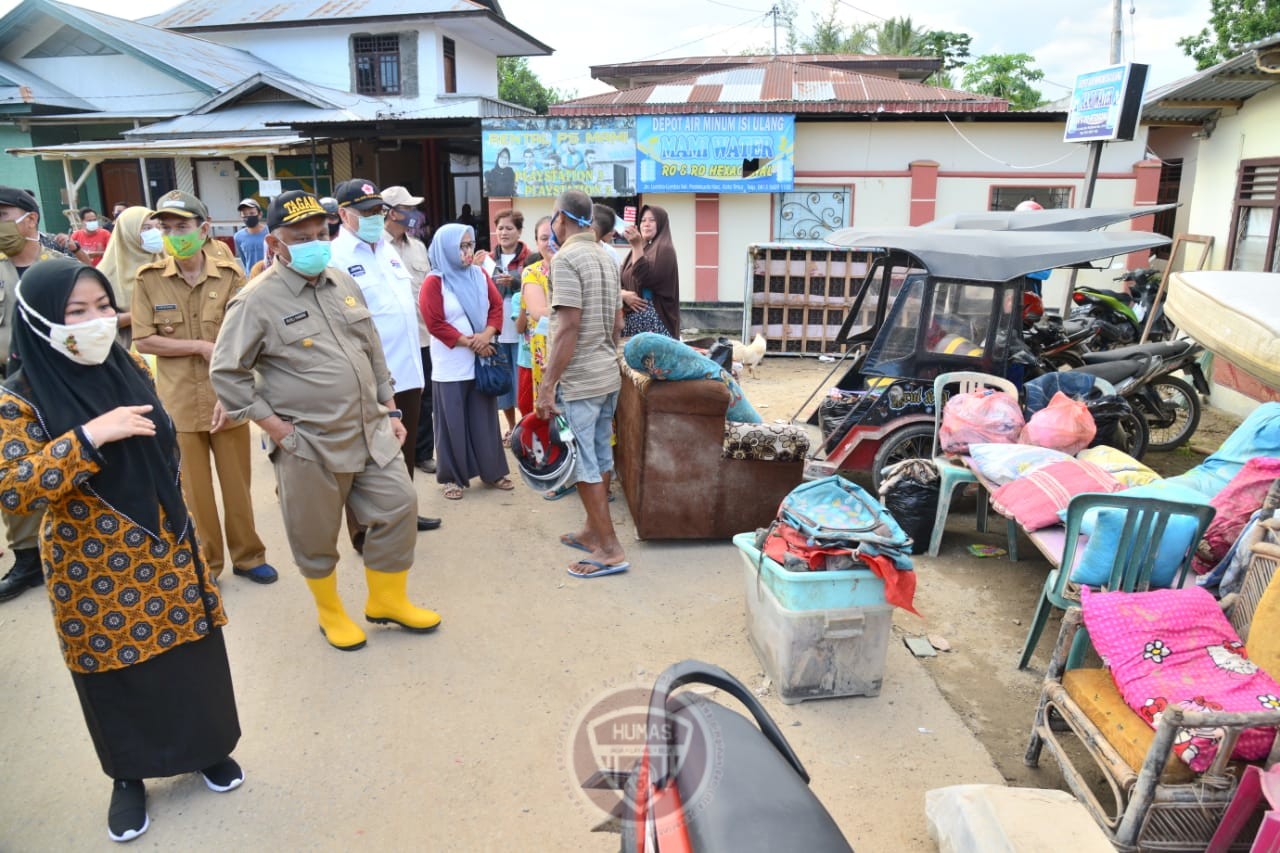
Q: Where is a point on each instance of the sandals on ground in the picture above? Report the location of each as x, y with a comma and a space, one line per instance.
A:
503, 483
452, 492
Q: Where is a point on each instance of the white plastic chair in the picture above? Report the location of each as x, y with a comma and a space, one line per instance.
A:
951, 474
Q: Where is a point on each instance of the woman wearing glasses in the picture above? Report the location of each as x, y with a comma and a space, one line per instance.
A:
463, 312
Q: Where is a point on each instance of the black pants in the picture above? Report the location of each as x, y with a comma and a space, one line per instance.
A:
425, 439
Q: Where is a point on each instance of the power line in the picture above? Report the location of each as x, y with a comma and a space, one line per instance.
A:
863, 11
739, 8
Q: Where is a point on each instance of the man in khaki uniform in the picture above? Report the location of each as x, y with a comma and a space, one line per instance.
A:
178, 305
299, 355
21, 245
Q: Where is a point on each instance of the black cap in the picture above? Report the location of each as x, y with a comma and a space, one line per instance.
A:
21, 199
291, 208
360, 194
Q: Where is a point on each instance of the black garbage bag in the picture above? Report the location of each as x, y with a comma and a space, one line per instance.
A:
1107, 412
909, 492
721, 352
833, 411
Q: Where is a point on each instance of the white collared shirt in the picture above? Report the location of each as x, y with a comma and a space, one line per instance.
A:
385, 282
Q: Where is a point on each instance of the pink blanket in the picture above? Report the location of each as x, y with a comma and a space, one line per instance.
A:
1175, 648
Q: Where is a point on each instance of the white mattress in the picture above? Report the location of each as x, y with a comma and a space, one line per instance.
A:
1236, 315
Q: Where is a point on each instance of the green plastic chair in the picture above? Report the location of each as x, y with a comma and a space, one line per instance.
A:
951, 475
1144, 527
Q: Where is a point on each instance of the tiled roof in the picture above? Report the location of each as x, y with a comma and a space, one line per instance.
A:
780, 85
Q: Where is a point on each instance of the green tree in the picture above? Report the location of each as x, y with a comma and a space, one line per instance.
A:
899, 37
951, 48
1005, 75
1232, 25
831, 36
519, 85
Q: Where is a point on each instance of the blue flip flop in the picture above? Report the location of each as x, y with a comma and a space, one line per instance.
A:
570, 541
602, 569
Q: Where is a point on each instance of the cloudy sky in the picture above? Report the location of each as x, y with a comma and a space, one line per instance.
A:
1066, 38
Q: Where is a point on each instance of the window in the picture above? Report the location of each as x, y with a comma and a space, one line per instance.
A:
450, 65
1257, 210
377, 64
811, 213
1050, 198
70, 42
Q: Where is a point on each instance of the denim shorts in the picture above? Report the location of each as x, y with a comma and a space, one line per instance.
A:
592, 423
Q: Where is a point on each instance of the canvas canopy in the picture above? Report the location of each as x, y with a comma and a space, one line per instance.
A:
1067, 219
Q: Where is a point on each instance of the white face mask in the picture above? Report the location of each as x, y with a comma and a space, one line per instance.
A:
91, 226
152, 240
88, 342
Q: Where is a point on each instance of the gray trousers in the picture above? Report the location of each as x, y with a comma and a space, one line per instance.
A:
23, 530
313, 500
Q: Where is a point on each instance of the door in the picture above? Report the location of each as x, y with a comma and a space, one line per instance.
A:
121, 182
218, 186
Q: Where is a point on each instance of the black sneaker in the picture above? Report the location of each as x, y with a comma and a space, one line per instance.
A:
224, 776
127, 817
25, 574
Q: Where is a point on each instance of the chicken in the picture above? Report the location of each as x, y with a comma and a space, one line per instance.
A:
750, 356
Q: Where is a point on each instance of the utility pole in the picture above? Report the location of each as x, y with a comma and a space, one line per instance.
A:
776, 13
1095, 148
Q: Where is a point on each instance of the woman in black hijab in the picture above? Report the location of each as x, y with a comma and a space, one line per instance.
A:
85, 440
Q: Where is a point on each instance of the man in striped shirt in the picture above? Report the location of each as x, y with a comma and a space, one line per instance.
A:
582, 379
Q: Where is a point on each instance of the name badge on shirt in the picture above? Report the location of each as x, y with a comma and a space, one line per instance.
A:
356, 270
166, 307
294, 318
395, 263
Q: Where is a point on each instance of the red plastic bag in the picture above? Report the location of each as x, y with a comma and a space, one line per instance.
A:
979, 417
1065, 424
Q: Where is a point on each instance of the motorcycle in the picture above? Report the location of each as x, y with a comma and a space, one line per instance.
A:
1144, 374
1121, 315
1061, 343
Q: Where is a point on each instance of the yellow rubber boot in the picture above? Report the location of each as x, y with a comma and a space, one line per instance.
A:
388, 603
335, 624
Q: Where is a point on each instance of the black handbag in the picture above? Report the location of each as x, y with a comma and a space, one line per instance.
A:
493, 373
738, 787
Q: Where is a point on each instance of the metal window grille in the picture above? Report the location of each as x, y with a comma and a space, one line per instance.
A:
811, 213
377, 61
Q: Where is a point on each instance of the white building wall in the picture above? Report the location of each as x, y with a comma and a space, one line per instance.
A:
1251, 132
748, 218
476, 69
1177, 143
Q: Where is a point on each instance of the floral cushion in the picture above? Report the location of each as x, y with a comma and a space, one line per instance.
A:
1175, 648
765, 442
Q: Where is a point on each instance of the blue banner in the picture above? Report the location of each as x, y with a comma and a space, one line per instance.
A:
1105, 104
724, 153
544, 156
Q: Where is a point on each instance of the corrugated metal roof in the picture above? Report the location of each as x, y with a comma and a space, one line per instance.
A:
783, 86
20, 86
649, 70
247, 13
242, 119
453, 107
1203, 95
216, 64
209, 147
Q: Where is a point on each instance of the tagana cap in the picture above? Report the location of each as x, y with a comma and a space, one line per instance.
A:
181, 204
359, 193
248, 202
291, 208
400, 197
21, 199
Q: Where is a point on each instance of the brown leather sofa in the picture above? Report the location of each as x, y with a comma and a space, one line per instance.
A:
670, 459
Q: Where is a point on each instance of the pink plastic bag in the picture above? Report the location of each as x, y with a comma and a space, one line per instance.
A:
1065, 424
979, 417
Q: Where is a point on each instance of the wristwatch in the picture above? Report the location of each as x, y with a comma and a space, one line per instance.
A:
396, 413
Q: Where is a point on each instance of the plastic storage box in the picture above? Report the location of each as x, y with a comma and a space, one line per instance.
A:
812, 590
816, 653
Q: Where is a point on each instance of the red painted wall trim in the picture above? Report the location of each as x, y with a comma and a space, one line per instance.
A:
706, 258
1146, 188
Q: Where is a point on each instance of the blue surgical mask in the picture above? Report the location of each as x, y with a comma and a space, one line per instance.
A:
371, 227
152, 241
310, 259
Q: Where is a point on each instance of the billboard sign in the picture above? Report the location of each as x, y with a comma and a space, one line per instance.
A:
1105, 104
541, 157
722, 153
